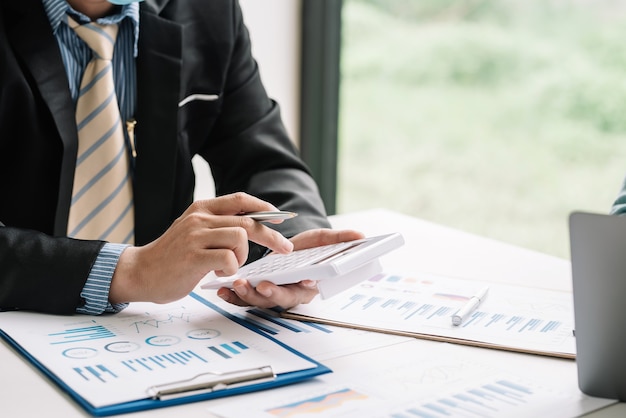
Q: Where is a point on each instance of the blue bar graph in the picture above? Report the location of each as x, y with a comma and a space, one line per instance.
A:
390, 303
371, 302
495, 318
441, 311
353, 299
475, 317
415, 412
240, 345
163, 361
530, 325
514, 321
407, 305
493, 399
318, 327
258, 325
551, 326
422, 310
97, 372
425, 306
271, 323
74, 335
425, 309
278, 321
228, 350
220, 352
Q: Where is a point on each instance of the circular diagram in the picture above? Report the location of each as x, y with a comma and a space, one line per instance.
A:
80, 352
162, 340
203, 334
121, 347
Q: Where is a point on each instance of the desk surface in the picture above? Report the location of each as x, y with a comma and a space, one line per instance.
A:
26, 392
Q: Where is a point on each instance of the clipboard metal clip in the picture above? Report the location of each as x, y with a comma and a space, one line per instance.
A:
211, 382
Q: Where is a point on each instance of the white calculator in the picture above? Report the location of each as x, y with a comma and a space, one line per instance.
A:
344, 263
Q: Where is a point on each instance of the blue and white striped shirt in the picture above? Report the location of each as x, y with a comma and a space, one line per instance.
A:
76, 55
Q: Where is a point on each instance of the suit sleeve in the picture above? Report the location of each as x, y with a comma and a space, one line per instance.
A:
249, 149
43, 273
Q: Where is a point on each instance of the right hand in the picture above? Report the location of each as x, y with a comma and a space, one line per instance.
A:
209, 236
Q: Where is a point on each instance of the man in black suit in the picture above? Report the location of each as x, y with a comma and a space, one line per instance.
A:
197, 91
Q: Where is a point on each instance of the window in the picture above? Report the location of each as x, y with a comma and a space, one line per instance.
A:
498, 117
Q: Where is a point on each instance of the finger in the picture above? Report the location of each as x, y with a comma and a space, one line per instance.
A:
237, 295
319, 237
288, 296
228, 242
268, 295
200, 262
267, 237
233, 204
222, 262
256, 231
230, 296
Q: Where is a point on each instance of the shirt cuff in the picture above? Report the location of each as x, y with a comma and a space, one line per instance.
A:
96, 290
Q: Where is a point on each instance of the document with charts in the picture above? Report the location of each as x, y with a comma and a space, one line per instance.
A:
112, 363
439, 381
515, 318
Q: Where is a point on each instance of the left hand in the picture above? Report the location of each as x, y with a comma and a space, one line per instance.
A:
267, 294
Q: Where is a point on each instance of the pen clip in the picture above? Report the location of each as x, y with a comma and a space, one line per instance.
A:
211, 382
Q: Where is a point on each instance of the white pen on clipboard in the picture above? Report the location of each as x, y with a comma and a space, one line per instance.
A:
470, 306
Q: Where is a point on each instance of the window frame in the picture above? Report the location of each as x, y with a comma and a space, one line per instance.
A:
319, 98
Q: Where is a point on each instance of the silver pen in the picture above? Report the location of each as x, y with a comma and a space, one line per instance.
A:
472, 303
269, 216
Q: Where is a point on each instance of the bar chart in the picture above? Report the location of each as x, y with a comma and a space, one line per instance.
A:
163, 361
115, 358
495, 398
321, 404
86, 333
443, 380
320, 341
511, 317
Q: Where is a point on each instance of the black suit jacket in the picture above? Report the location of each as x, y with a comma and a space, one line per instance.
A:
186, 47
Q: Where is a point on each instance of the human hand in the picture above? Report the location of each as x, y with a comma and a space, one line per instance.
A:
208, 236
267, 294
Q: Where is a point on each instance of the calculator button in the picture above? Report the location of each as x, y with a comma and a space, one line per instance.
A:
300, 258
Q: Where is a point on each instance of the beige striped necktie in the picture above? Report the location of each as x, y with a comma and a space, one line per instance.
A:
102, 197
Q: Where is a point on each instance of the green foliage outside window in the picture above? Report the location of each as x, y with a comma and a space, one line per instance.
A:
498, 117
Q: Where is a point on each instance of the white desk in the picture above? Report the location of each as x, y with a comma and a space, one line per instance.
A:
25, 392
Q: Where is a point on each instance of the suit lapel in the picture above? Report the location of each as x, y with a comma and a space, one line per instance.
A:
32, 38
158, 86
158, 92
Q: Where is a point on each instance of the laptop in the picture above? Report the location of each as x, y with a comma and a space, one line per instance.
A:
598, 255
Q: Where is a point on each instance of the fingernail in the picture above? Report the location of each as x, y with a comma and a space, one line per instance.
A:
224, 294
265, 291
309, 283
241, 290
287, 245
